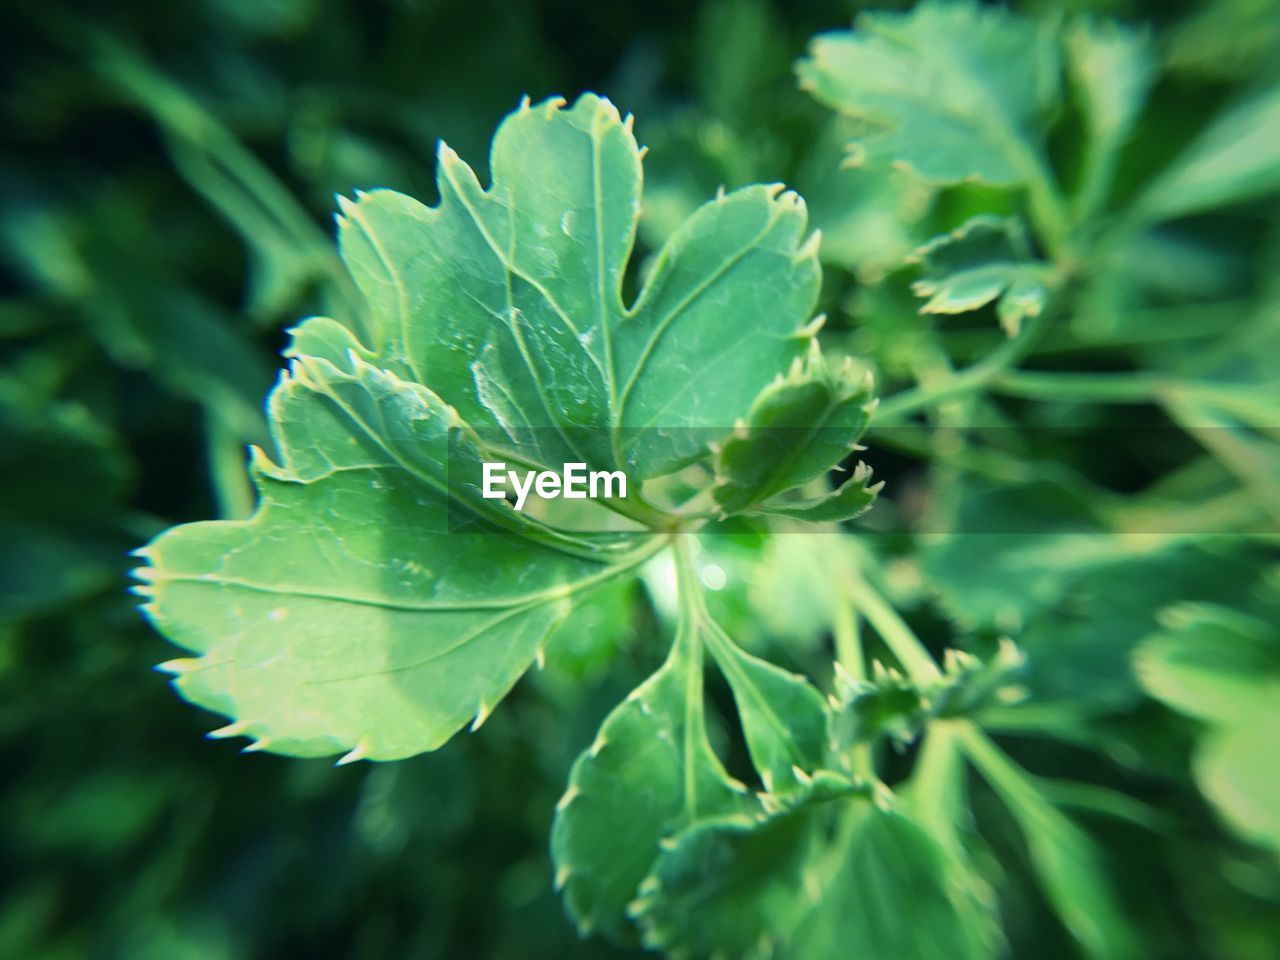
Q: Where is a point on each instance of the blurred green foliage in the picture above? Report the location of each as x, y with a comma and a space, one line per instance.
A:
167, 177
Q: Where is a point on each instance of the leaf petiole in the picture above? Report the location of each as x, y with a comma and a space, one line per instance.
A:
893, 630
688, 645
979, 376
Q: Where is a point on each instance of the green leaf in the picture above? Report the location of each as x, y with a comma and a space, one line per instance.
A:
1210, 662
878, 862
508, 300
1223, 667
1232, 161
1011, 552
376, 602
886, 705
984, 260
969, 684
1113, 68
1222, 40
737, 886
1034, 561
851, 499
784, 718
870, 218
890, 704
955, 91
1068, 866
1080, 649
801, 425
325, 338
649, 774
359, 608
797, 585
1243, 789
938, 799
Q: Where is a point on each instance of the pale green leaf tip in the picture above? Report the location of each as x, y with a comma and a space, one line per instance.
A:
562, 878
346, 206
482, 714
809, 249
359, 752
810, 330
179, 666
237, 729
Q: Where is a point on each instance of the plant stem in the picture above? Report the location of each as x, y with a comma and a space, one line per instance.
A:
995, 766
688, 587
1087, 387
225, 454
969, 380
638, 509
937, 782
844, 630
893, 630
688, 646
1242, 400
1049, 211
1100, 154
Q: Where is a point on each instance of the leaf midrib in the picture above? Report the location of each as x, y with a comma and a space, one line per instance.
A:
562, 591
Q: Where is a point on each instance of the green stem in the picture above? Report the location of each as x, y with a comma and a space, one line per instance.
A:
688, 646
937, 782
849, 655
969, 380
844, 629
996, 767
641, 511
1049, 211
225, 454
893, 630
1097, 177
1086, 387
1133, 388
1240, 455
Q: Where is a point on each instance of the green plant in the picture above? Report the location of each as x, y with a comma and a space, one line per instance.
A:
376, 603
